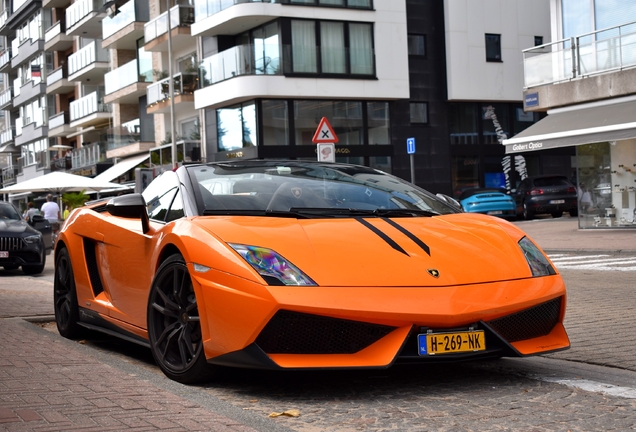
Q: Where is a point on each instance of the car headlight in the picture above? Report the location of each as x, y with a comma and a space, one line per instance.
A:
275, 269
32, 239
539, 264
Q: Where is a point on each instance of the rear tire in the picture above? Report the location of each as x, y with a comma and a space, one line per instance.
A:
174, 329
574, 213
65, 298
527, 213
557, 214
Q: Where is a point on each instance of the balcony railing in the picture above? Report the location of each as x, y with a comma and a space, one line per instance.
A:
128, 13
8, 175
18, 126
123, 76
3, 17
15, 47
5, 57
53, 31
6, 136
5, 97
63, 163
88, 155
58, 120
43, 159
161, 157
87, 105
180, 16
56, 75
80, 9
184, 83
206, 8
126, 134
577, 57
91, 53
237, 61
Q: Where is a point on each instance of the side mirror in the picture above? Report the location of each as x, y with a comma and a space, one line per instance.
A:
132, 206
449, 200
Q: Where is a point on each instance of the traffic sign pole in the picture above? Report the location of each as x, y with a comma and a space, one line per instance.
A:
410, 149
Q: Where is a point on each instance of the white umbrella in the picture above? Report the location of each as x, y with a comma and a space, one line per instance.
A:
59, 182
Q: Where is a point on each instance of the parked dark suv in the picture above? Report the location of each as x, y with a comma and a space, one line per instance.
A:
22, 245
552, 194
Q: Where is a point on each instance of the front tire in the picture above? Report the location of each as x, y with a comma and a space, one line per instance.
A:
65, 297
174, 328
35, 269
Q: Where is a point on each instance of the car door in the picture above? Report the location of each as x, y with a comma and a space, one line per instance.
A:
127, 253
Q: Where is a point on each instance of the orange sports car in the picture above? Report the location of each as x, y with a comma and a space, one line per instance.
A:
299, 264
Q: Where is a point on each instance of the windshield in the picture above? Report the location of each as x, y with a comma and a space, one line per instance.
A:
9, 212
275, 187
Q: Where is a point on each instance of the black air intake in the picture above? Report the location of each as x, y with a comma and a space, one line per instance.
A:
530, 323
298, 333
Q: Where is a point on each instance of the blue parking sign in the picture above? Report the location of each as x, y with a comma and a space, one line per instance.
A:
410, 145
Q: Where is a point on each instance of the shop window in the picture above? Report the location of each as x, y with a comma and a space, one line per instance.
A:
417, 45
419, 113
465, 173
378, 122
495, 123
493, 47
236, 127
307, 115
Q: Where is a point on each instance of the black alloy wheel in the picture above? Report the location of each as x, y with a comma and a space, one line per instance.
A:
65, 297
174, 328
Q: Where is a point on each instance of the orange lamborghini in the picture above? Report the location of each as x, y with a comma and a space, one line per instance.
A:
296, 264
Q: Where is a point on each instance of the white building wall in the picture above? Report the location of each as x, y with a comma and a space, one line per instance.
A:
470, 76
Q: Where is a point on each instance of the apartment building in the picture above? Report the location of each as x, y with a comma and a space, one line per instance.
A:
585, 80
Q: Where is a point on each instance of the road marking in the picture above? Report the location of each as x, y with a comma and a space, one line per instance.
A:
602, 262
593, 386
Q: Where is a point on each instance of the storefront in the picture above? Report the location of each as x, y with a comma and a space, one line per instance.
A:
604, 136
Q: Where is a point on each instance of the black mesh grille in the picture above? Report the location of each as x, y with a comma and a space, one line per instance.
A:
91, 265
297, 333
530, 323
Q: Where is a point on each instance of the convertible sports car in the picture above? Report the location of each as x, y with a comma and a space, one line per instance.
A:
490, 201
296, 264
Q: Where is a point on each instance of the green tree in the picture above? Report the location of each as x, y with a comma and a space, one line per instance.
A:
74, 199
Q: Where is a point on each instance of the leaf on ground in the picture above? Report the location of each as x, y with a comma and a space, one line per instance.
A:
288, 413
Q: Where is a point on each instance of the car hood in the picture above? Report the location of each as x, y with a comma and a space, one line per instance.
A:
12, 227
415, 251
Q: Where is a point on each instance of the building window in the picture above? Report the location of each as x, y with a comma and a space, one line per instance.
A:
236, 127
538, 40
275, 122
419, 112
493, 47
345, 118
332, 47
417, 45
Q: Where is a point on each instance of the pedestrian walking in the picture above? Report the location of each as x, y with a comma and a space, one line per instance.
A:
51, 210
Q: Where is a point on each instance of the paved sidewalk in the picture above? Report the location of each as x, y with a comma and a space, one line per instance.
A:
563, 234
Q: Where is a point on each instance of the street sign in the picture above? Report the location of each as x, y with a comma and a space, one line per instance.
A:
324, 134
410, 145
327, 152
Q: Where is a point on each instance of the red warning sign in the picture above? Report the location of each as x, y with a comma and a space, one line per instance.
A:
324, 133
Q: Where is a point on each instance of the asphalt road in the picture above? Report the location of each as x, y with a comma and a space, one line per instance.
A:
589, 387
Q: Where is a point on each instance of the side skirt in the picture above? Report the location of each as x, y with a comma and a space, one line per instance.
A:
93, 321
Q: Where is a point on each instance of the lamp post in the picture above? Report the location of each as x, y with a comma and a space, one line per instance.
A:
171, 92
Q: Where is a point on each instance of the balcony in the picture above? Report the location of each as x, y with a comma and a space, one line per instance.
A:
123, 30
161, 157
125, 85
89, 111
59, 125
32, 129
158, 94
6, 136
58, 83
63, 163
5, 61
3, 17
87, 156
89, 63
127, 139
156, 31
609, 55
30, 90
238, 61
9, 175
54, 4
6, 99
243, 16
84, 19
56, 40
25, 50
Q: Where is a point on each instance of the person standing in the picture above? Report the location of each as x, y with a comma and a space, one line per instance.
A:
50, 209
31, 210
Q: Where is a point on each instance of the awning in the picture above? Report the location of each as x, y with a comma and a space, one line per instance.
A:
570, 127
121, 168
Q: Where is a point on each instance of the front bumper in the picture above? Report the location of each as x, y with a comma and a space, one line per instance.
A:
369, 327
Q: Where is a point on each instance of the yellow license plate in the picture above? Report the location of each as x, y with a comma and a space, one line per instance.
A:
447, 343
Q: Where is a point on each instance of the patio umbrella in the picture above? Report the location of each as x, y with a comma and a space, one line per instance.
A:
59, 182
